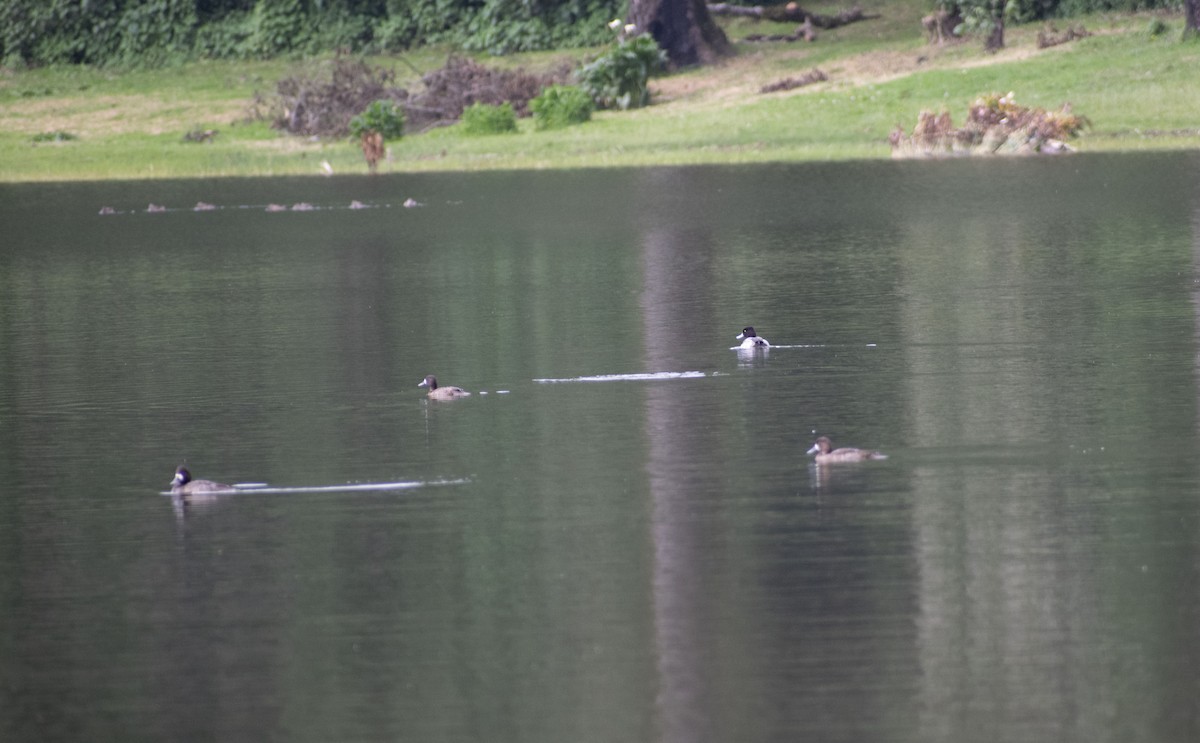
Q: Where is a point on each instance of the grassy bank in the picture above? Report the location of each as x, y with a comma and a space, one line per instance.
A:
1140, 92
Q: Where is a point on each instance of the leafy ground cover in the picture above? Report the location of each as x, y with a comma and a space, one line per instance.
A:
1138, 90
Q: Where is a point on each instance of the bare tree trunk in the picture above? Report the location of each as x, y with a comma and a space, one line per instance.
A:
995, 40
940, 25
1191, 17
683, 28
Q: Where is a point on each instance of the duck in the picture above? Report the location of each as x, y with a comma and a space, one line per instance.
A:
750, 339
826, 454
183, 484
442, 393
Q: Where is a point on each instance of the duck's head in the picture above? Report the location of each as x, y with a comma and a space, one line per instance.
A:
821, 446
430, 382
747, 332
182, 477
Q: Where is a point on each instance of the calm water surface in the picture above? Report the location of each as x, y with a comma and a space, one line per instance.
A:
630, 559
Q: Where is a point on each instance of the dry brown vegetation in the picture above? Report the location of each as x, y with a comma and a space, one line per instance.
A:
995, 125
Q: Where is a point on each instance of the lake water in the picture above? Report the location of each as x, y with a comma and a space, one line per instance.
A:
623, 540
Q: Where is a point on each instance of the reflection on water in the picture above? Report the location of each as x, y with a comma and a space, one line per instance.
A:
650, 560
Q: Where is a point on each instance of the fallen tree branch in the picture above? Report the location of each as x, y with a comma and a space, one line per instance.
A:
792, 13
1052, 38
816, 76
805, 31
742, 10
843, 18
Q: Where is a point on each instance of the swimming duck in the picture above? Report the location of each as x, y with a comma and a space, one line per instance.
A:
183, 484
826, 454
441, 393
750, 339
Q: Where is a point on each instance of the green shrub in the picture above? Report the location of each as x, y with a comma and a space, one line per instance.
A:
619, 78
227, 37
158, 33
384, 117
279, 26
561, 105
150, 33
480, 118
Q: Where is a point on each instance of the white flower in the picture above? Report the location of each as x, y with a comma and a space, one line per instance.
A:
614, 24
630, 28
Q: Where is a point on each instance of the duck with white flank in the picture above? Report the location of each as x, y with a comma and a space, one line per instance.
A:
826, 454
750, 339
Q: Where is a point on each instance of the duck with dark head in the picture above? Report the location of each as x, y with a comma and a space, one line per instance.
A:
442, 393
183, 484
751, 340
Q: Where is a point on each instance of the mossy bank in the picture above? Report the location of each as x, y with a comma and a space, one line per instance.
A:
1139, 90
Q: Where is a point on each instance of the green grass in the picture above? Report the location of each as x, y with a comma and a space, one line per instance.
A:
1139, 92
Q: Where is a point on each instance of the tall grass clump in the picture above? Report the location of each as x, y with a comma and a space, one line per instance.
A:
560, 106
480, 118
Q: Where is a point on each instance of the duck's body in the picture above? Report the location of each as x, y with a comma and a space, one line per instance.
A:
442, 393
183, 484
826, 454
750, 339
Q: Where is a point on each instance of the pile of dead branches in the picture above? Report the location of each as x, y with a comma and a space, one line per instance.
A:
463, 82
320, 100
995, 125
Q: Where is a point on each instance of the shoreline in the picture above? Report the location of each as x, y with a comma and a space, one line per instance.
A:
1139, 93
